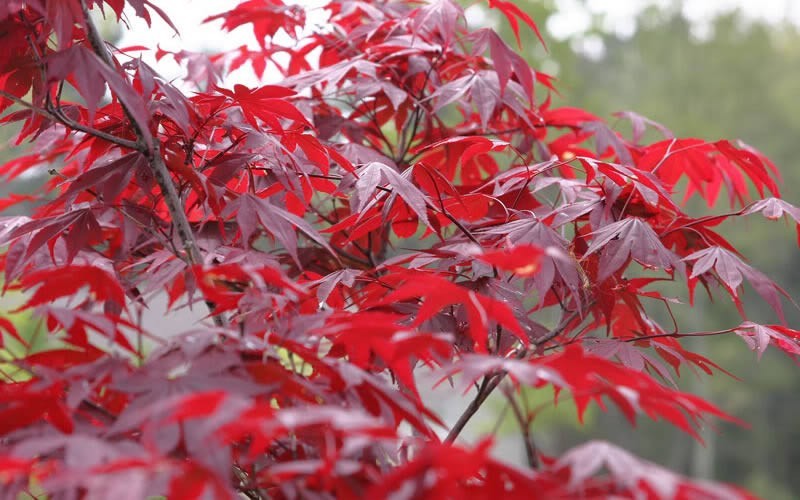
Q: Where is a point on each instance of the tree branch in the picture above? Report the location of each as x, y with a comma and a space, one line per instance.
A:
492, 381
67, 122
525, 428
161, 174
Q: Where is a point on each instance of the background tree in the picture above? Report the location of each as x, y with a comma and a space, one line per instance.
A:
408, 195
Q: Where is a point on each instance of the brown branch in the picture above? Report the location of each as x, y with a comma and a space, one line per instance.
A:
555, 332
161, 174
119, 141
679, 335
71, 124
525, 427
492, 381
245, 484
55, 113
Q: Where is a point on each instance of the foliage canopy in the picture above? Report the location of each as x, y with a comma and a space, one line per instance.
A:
405, 196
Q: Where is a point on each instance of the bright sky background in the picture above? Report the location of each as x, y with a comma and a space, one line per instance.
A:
574, 18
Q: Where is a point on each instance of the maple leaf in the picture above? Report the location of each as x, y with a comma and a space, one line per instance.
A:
707, 170
225, 285
91, 80
630, 179
78, 228
671, 351
267, 103
374, 174
326, 285
107, 180
282, 225
442, 16
774, 209
506, 61
522, 260
628, 355
512, 12
460, 473
732, 271
630, 238
639, 123
473, 367
266, 16
383, 334
567, 117
590, 378
28, 403
554, 268
54, 283
472, 146
629, 473
438, 293
758, 337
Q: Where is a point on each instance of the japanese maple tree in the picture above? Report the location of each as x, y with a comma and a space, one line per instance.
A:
401, 198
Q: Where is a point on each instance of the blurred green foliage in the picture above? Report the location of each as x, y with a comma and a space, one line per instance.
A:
28, 328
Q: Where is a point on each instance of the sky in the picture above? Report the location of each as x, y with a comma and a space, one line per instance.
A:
574, 17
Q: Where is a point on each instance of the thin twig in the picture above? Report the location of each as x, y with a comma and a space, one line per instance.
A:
492, 381
245, 484
191, 252
525, 428
71, 124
